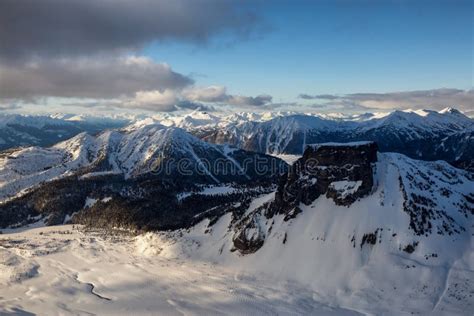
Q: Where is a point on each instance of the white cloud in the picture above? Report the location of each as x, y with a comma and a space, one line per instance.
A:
206, 94
435, 99
218, 94
153, 100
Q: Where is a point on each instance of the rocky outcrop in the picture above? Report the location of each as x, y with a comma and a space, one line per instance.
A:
342, 172
249, 236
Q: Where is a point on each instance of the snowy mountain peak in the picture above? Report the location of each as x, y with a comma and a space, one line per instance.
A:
450, 110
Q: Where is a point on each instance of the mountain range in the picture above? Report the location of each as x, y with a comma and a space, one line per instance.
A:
347, 218
428, 135
27, 130
423, 134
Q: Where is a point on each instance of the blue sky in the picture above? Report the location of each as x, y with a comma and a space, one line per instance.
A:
338, 47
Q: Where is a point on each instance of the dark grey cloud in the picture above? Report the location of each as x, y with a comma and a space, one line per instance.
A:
190, 105
435, 99
259, 100
52, 28
88, 78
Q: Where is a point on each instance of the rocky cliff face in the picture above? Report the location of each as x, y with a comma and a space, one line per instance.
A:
340, 171
350, 195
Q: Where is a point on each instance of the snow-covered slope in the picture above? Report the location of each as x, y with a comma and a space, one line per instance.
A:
407, 244
65, 271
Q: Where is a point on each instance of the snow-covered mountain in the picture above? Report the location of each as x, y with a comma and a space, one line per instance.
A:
422, 134
203, 120
153, 165
354, 225
27, 130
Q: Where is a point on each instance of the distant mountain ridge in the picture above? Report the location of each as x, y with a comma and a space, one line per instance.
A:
426, 135
422, 134
34, 130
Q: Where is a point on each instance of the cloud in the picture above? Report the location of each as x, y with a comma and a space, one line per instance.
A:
435, 99
185, 104
190, 98
58, 28
318, 96
133, 82
76, 50
88, 78
9, 105
166, 101
250, 101
218, 94
206, 94
156, 100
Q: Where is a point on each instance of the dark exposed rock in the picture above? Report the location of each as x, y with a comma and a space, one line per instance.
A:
292, 213
369, 239
249, 236
342, 172
410, 248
